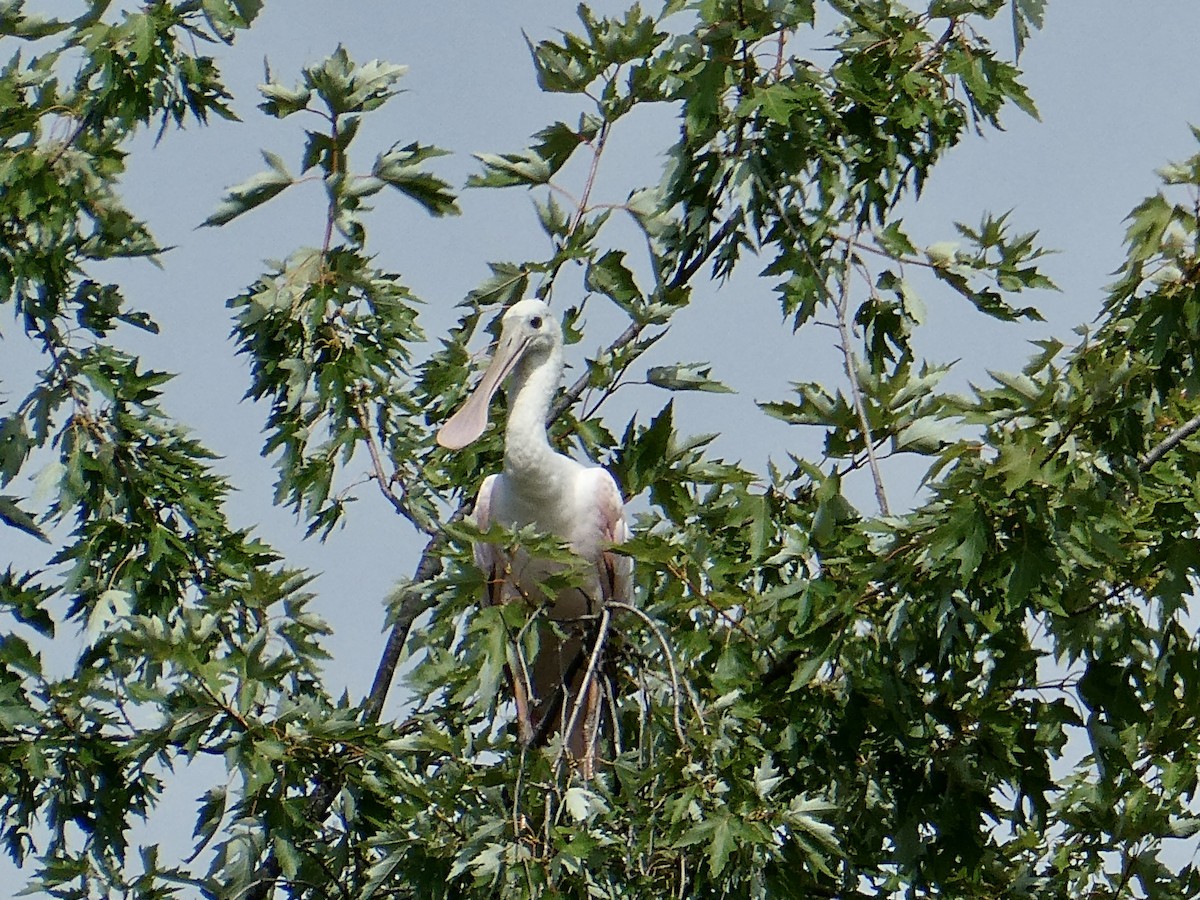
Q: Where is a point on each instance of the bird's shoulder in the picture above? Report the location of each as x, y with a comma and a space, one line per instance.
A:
600, 489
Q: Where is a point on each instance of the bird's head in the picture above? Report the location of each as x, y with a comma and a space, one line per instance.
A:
529, 334
529, 328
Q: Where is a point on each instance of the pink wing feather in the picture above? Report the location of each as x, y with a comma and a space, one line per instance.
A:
487, 556
616, 571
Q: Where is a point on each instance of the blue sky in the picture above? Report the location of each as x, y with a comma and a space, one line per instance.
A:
1115, 83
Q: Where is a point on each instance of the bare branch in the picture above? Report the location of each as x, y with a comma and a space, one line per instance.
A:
841, 303
581, 209
414, 604
382, 478
1167, 444
869, 248
682, 275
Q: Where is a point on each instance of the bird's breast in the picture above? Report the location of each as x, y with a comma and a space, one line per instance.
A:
556, 511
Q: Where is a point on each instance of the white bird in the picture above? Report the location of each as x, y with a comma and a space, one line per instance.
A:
580, 505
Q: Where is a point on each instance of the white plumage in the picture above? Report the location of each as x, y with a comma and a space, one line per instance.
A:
581, 505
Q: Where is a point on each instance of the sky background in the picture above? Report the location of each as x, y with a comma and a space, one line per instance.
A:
1115, 83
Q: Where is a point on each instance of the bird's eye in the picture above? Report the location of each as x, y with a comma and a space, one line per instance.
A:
536, 321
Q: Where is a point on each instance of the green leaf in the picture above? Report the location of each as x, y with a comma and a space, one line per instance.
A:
766, 777
609, 276
507, 284
12, 514
280, 101
252, 193
1026, 15
110, 607
926, 435
400, 168
954, 8
1147, 223
228, 16
686, 377
508, 169
567, 68
350, 88
722, 845
558, 142
582, 804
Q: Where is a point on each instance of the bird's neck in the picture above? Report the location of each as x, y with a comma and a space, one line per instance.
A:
527, 451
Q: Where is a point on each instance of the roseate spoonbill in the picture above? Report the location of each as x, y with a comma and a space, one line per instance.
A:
580, 505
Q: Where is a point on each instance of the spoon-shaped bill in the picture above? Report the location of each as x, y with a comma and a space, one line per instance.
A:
467, 424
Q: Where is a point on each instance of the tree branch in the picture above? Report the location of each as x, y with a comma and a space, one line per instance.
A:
585, 687
676, 703
381, 477
841, 305
597, 151
1182, 433
681, 277
839, 301
413, 605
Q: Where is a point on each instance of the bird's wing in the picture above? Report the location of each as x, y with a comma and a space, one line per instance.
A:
616, 571
488, 557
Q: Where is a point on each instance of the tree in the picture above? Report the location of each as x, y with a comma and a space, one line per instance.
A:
815, 699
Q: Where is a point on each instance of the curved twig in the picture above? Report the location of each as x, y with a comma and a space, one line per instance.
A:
670, 668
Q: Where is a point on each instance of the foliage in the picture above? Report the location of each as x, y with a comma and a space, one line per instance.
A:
815, 700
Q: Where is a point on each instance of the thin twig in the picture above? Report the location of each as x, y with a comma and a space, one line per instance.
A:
903, 260
611, 698
573, 393
841, 305
675, 705
61, 150
584, 687
516, 811
381, 477
582, 209
779, 54
695, 588
554, 704
937, 46
634, 329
